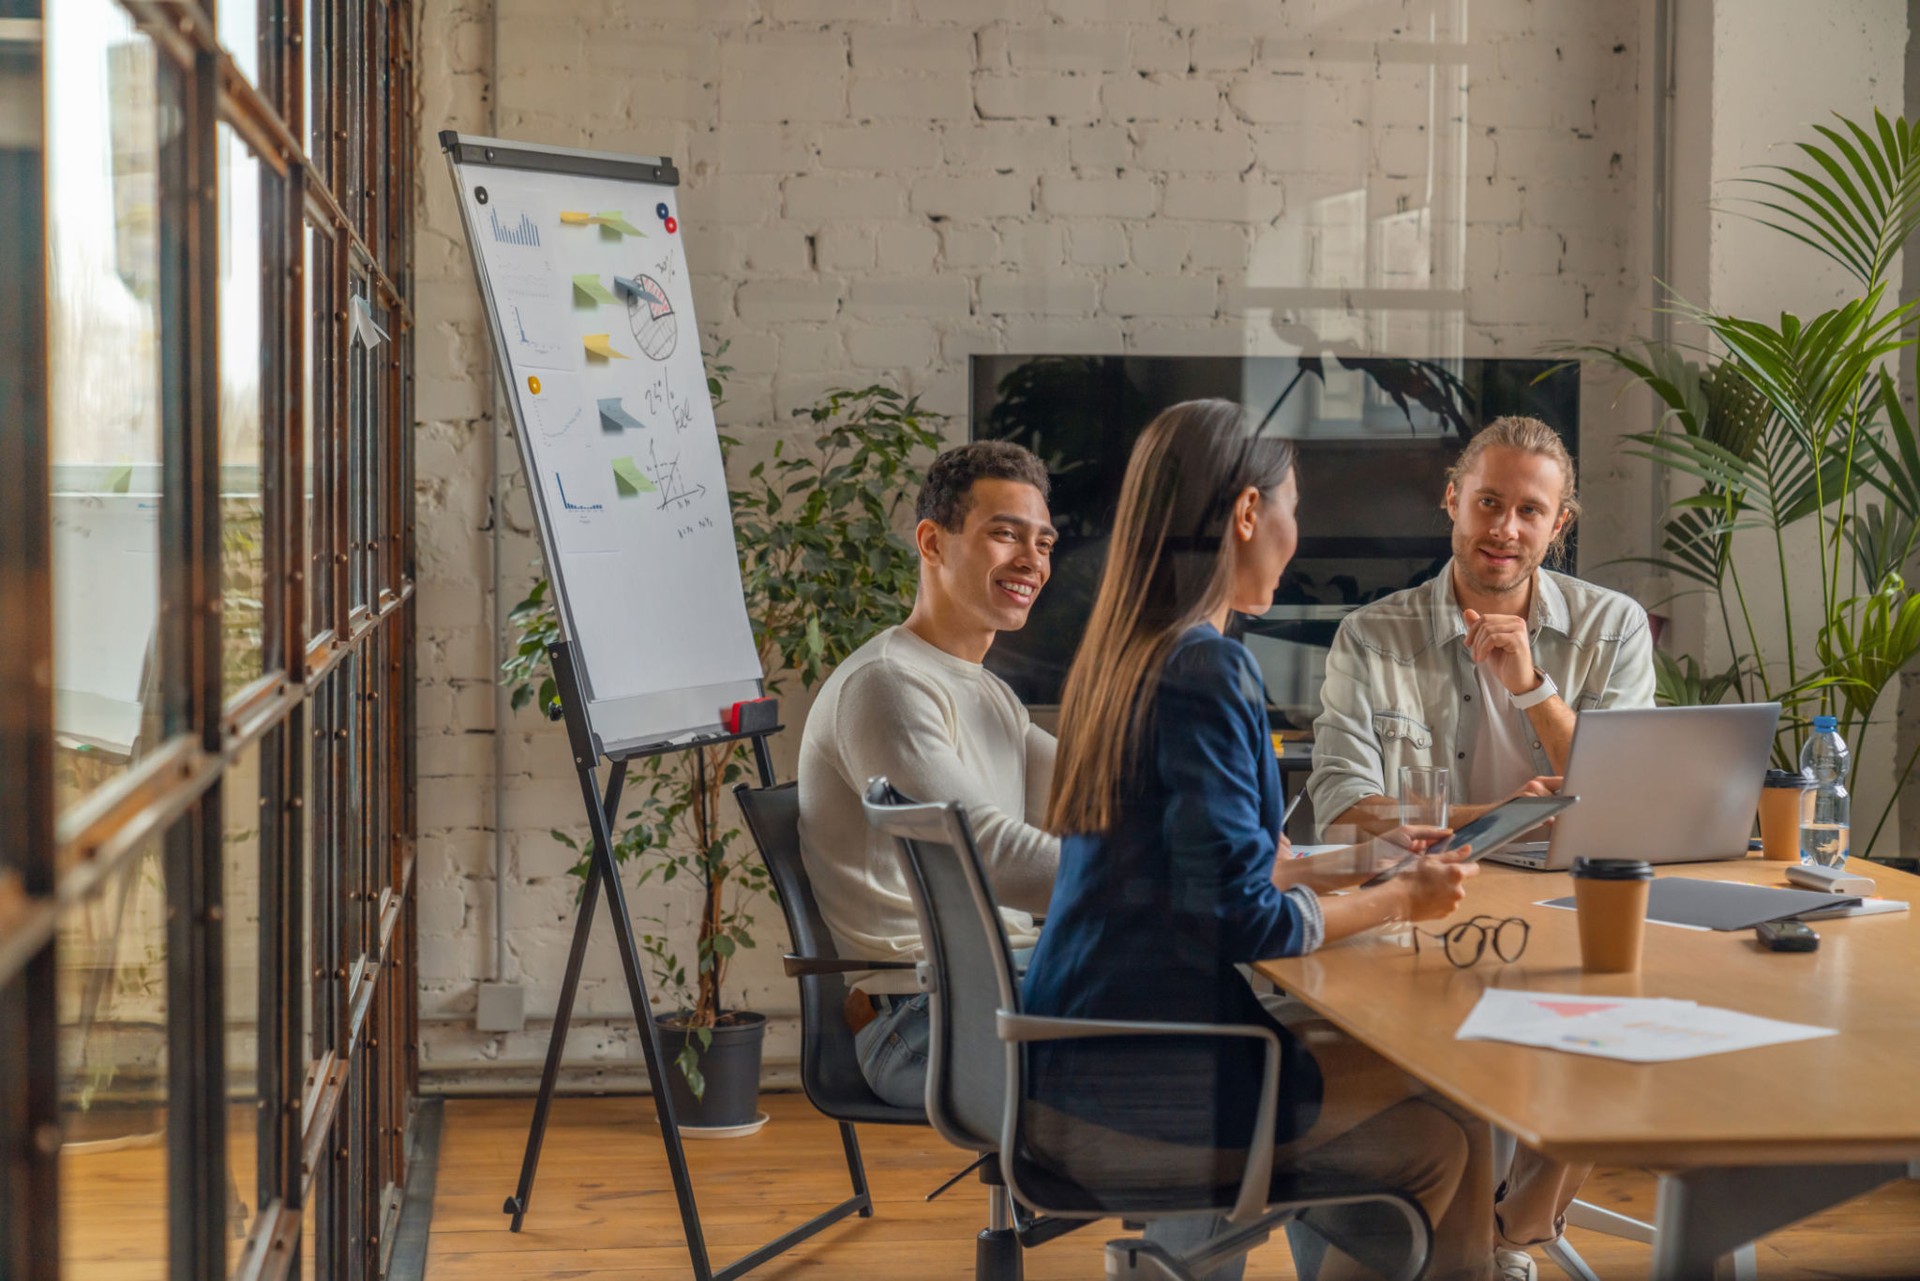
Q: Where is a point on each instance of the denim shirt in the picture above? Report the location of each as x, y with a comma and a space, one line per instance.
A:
1400, 684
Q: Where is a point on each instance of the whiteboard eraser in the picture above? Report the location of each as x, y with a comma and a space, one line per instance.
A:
753, 716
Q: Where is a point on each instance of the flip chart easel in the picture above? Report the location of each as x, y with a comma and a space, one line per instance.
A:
579, 262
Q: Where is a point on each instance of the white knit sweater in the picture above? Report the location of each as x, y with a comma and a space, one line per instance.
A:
939, 728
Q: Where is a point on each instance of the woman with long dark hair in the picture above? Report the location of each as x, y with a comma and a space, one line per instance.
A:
1167, 796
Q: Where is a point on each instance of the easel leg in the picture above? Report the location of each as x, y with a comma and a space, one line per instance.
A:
657, 1066
563, 1012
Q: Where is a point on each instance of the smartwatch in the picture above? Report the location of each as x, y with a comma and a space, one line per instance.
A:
1545, 690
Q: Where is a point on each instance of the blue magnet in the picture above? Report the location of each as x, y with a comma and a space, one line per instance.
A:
661, 210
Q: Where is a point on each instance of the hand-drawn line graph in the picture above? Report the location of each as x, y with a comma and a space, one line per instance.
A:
567, 503
674, 490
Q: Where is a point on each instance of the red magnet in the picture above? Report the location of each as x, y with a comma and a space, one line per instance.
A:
672, 226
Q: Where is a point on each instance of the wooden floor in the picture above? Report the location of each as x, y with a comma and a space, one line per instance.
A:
604, 1207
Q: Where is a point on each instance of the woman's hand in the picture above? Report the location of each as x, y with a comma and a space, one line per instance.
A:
1434, 887
1287, 867
1342, 869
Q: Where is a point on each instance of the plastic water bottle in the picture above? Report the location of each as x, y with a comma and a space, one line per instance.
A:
1824, 826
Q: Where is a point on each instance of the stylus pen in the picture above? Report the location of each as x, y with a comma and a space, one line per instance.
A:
1292, 805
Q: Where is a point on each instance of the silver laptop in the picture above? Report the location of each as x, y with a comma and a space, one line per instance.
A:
1666, 784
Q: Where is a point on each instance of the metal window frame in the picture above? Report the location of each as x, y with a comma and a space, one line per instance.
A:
332, 1125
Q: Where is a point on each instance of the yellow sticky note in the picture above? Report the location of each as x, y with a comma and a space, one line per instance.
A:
576, 218
614, 220
629, 479
601, 345
590, 288
1279, 746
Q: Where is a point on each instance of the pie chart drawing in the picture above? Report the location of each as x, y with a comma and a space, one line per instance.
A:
655, 326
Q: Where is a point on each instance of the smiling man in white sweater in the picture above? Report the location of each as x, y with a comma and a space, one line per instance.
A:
915, 704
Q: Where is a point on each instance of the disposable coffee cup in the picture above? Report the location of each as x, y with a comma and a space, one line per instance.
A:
1780, 814
1610, 899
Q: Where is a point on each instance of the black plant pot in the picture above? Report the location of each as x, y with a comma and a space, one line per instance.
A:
730, 1064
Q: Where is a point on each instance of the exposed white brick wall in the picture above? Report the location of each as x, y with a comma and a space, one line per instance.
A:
881, 188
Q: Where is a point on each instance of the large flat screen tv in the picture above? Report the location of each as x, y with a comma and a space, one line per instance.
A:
1375, 435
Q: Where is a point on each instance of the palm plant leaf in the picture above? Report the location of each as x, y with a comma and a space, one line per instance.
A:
1857, 202
1699, 542
1681, 682
1867, 642
1898, 474
1881, 542
1665, 371
1710, 463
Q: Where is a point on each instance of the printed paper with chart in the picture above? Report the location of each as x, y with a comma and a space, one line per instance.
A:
1636, 1029
590, 285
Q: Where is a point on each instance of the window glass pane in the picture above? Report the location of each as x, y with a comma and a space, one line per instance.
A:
102, 224
112, 995
350, 807
309, 1234
242, 510
312, 49
309, 749
238, 22
360, 463
240, 850
314, 579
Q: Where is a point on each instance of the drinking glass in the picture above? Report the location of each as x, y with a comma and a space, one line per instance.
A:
1423, 795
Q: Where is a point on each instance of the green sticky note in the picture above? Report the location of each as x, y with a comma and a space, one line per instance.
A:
590, 288
120, 479
614, 220
629, 479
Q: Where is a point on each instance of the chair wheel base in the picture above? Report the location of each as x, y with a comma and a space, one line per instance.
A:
996, 1256
1136, 1260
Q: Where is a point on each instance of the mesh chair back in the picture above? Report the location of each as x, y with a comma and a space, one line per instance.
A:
829, 1068
966, 948
1061, 1163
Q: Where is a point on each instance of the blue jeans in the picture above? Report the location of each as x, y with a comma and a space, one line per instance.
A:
893, 1051
893, 1048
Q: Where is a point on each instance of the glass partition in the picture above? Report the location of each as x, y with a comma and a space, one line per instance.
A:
103, 158
240, 858
113, 999
243, 563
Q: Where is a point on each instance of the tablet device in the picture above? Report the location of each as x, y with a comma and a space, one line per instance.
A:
1498, 827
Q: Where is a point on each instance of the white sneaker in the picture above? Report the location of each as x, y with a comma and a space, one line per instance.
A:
1514, 1265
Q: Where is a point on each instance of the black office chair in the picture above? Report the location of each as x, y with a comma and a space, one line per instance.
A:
829, 1068
1067, 1168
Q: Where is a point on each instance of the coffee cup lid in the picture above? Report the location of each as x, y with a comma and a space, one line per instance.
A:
1613, 869
1787, 778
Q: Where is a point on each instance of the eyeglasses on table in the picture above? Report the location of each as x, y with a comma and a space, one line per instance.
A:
1466, 942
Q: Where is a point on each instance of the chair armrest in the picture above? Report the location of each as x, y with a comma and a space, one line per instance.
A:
1256, 1182
802, 966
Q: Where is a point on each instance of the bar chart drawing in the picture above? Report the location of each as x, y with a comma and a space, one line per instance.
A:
520, 233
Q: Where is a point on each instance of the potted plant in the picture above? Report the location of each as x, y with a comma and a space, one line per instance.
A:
1787, 423
824, 566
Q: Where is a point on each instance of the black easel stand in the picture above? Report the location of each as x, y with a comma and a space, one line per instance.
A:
601, 871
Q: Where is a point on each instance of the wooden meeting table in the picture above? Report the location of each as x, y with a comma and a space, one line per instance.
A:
1745, 1142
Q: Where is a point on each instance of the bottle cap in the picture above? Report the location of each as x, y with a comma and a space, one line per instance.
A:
1613, 869
1825, 724
1788, 778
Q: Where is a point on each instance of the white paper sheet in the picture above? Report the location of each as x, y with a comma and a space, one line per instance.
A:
642, 548
1631, 1029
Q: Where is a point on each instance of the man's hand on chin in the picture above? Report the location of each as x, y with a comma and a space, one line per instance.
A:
1500, 644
